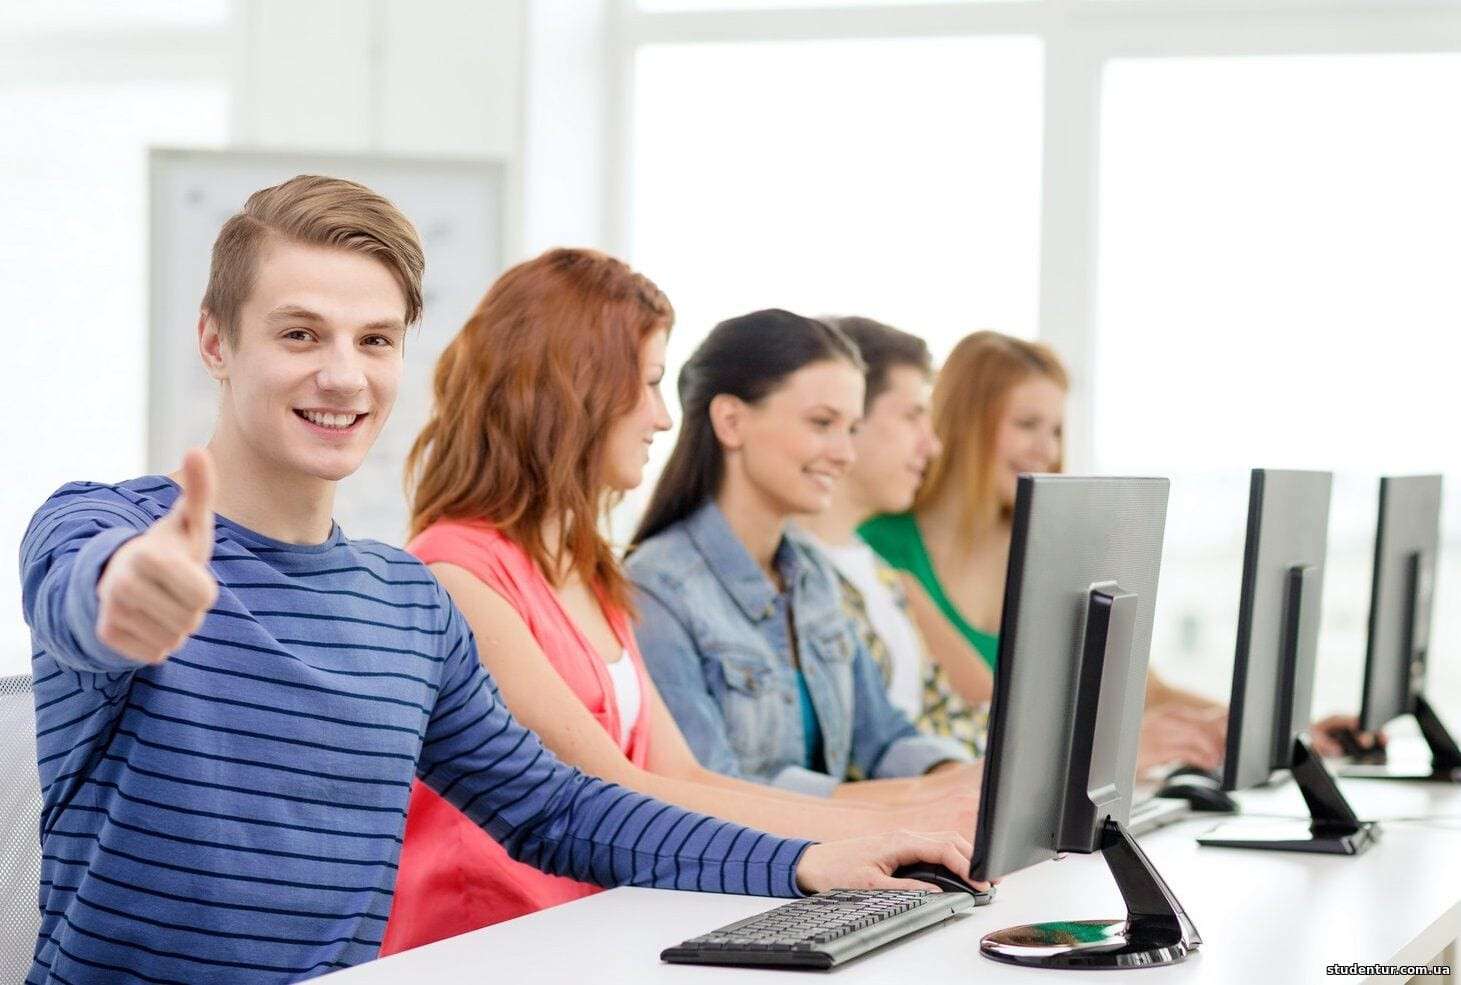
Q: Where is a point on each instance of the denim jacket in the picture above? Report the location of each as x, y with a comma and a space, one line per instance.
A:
714, 634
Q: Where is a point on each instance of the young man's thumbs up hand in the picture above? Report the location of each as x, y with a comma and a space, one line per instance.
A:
157, 587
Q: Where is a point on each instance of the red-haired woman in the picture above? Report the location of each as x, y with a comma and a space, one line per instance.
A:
545, 406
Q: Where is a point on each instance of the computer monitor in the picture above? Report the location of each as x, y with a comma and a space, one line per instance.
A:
1407, 552
1069, 691
1273, 672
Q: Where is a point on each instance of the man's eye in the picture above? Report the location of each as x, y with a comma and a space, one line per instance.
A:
297, 335
378, 340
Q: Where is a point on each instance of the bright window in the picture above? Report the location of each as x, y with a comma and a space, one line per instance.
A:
897, 179
1277, 287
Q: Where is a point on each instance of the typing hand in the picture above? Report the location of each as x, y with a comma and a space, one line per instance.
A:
868, 862
157, 587
1328, 735
1176, 734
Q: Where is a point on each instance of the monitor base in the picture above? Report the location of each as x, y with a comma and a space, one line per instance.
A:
1291, 836
1085, 944
1389, 771
1156, 930
1331, 828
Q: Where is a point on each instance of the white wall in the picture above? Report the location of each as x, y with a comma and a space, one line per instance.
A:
410, 77
566, 166
85, 88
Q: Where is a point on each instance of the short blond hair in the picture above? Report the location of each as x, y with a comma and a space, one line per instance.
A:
319, 211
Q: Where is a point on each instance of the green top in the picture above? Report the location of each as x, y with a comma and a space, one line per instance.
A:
895, 536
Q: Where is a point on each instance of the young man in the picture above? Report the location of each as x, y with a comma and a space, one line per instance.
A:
232, 696
928, 678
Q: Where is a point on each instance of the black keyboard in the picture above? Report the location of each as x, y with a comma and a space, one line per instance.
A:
823, 930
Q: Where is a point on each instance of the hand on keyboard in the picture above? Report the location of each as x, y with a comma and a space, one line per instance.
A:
1340, 735
1174, 734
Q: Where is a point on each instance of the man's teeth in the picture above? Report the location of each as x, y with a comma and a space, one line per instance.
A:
329, 420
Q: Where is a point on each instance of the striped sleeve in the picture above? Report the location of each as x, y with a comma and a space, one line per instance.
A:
553, 817
62, 556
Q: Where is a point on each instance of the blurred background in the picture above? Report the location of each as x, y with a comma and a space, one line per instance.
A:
1235, 219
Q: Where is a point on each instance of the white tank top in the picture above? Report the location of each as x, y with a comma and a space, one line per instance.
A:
626, 690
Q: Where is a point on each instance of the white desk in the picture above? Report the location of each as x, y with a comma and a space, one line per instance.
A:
1265, 917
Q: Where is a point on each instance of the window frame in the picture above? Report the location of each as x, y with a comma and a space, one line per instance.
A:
1080, 38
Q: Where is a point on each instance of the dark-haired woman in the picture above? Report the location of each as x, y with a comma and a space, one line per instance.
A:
740, 626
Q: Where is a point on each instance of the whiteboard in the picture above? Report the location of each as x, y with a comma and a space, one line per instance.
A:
455, 204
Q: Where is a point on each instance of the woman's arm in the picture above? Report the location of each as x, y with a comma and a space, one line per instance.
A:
1159, 692
968, 673
905, 803
541, 700
893, 804
949, 780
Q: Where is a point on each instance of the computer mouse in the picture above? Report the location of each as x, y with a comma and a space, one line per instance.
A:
1200, 789
944, 879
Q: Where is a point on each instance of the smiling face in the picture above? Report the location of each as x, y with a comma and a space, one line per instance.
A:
1030, 433
627, 449
313, 371
894, 445
794, 445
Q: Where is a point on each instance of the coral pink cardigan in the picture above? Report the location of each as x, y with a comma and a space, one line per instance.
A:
453, 876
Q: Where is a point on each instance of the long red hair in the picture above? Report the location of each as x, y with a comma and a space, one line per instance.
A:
523, 400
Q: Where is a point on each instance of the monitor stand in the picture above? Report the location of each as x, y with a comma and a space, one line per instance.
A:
1332, 828
1445, 754
1156, 930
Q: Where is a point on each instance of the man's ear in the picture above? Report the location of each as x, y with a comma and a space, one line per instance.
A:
728, 420
211, 345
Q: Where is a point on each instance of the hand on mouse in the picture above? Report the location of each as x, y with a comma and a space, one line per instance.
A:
868, 862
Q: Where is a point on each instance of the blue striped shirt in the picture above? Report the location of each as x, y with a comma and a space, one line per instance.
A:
235, 813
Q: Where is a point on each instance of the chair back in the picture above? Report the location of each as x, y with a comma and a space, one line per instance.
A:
20, 820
